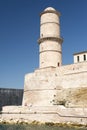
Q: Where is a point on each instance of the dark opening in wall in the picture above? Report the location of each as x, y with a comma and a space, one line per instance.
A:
84, 56
58, 64
41, 35
77, 58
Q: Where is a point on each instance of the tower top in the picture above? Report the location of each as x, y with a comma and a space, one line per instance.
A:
50, 10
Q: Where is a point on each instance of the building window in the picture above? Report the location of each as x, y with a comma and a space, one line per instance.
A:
58, 64
77, 58
84, 56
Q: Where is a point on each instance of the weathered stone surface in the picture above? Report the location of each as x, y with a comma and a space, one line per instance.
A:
55, 114
50, 41
64, 85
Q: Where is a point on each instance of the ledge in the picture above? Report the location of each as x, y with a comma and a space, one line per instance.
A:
50, 38
51, 11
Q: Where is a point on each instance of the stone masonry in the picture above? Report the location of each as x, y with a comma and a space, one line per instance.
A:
59, 85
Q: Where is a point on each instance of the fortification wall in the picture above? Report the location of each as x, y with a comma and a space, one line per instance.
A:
61, 85
72, 68
53, 114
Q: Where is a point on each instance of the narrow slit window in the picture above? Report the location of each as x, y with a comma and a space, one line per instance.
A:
84, 57
58, 64
77, 58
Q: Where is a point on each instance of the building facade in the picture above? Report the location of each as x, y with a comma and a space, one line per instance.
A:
80, 57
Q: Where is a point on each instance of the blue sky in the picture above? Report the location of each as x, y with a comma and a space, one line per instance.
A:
19, 32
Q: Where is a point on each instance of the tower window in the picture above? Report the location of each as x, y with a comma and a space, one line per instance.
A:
58, 64
41, 35
78, 58
84, 56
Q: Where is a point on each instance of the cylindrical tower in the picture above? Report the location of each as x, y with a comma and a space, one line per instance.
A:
50, 41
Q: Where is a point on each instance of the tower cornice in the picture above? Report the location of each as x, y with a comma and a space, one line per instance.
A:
60, 40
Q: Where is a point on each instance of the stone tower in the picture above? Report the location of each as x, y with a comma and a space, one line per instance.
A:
50, 41
40, 87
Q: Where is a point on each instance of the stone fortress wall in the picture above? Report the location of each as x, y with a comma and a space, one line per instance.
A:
53, 114
51, 86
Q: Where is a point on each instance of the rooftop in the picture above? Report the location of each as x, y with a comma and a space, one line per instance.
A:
80, 53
